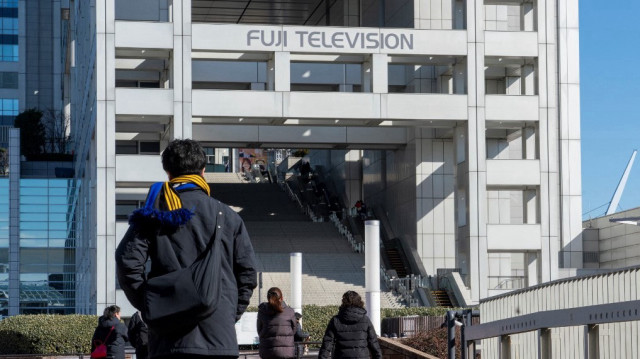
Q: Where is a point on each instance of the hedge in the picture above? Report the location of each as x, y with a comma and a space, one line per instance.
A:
67, 334
47, 334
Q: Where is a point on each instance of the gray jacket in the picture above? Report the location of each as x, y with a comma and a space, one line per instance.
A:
276, 331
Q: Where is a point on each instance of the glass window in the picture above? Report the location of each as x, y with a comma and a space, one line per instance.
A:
47, 258
124, 209
150, 147
126, 147
9, 38
9, 80
8, 107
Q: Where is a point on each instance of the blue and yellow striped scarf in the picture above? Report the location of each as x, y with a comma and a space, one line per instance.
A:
164, 194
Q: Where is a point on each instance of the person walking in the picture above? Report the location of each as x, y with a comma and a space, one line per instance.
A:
174, 229
350, 334
301, 336
111, 332
276, 327
139, 335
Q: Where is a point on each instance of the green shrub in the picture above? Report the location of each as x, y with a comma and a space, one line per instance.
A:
47, 334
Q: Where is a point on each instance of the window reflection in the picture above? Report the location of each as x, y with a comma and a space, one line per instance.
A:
47, 252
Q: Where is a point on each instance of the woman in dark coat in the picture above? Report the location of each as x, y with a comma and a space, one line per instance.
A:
114, 339
276, 327
350, 334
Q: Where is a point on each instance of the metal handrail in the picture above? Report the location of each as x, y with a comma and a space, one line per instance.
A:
305, 208
357, 247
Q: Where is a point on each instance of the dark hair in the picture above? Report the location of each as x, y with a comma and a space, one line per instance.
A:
245, 160
183, 157
111, 311
351, 299
274, 296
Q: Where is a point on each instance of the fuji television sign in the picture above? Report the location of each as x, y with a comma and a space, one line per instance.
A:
329, 39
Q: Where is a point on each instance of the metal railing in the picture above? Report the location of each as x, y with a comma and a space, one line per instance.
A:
590, 317
357, 247
405, 287
305, 208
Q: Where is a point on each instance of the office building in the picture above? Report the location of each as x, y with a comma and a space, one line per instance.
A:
460, 119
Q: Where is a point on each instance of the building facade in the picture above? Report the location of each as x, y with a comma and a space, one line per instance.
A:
460, 119
37, 237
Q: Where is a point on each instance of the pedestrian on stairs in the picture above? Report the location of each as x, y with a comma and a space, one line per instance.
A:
350, 334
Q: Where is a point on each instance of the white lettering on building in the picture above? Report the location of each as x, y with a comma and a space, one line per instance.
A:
330, 40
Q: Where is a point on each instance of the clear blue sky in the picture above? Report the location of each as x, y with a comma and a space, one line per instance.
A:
610, 110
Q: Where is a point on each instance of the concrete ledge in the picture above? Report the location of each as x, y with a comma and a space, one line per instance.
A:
393, 349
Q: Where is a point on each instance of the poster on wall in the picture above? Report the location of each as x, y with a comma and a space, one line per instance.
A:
247, 157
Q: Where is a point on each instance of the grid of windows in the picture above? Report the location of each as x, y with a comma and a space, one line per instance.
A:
9, 80
4, 247
47, 246
8, 111
9, 30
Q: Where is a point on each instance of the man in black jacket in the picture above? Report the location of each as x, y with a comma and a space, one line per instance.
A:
172, 234
139, 336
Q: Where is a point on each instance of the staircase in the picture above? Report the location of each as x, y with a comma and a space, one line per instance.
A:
224, 177
396, 262
277, 228
442, 298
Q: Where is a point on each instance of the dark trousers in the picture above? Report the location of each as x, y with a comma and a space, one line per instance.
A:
142, 353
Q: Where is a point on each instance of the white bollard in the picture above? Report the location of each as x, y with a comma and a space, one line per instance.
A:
372, 271
296, 281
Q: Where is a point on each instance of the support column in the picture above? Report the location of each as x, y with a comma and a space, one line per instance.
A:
105, 153
14, 221
591, 341
353, 181
380, 73
372, 271
296, 281
366, 75
569, 133
180, 71
282, 71
505, 347
187, 126
532, 268
476, 152
544, 343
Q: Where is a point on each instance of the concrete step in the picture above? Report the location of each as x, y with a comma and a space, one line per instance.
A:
224, 177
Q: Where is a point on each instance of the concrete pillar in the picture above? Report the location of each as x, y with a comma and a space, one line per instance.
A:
568, 116
476, 152
353, 180
529, 149
544, 343
530, 205
528, 16
459, 79
366, 75
295, 268
505, 347
181, 69
105, 154
281, 71
532, 268
380, 73
528, 80
591, 341
372, 271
